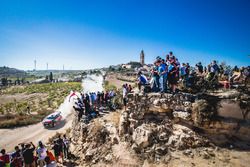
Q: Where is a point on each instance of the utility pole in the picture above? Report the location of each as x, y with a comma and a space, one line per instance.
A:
34, 65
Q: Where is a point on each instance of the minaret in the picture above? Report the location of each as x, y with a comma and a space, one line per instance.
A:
142, 56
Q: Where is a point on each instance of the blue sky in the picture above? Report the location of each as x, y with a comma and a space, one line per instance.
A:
88, 34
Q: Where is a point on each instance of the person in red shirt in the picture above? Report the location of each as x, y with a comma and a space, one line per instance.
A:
51, 156
5, 158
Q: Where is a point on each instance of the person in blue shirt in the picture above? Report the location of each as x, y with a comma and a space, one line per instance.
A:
214, 71
214, 67
142, 80
162, 71
155, 76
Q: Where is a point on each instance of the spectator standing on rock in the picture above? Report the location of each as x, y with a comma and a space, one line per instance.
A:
41, 153
187, 69
98, 98
82, 97
130, 88
106, 97
172, 79
50, 155
155, 78
142, 80
79, 108
102, 98
162, 70
199, 68
183, 71
124, 96
56, 149
66, 147
171, 56
61, 146
87, 97
16, 158
87, 106
5, 158
214, 69
28, 155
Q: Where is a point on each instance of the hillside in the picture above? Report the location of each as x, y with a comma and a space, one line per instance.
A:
11, 72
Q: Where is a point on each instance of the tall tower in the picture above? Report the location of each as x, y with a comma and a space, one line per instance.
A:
47, 66
142, 58
34, 65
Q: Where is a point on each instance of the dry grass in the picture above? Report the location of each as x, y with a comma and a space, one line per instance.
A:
97, 127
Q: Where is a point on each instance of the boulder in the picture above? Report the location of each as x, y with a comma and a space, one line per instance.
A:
182, 114
142, 136
161, 150
108, 158
89, 154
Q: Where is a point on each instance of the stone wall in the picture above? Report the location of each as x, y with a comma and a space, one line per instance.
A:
195, 112
158, 104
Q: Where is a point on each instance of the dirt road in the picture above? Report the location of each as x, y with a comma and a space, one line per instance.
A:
9, 138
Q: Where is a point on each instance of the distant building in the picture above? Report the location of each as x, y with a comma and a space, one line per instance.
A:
127, 66
142, 58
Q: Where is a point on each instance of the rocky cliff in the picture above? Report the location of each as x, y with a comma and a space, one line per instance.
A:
154, 128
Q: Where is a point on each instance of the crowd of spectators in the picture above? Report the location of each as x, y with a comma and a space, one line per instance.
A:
28, 155
168, 73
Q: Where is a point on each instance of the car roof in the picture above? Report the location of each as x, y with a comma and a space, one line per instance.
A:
54, 113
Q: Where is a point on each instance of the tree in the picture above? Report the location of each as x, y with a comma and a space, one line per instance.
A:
22, 80
18, 82
51, 77
135, 64
4, 81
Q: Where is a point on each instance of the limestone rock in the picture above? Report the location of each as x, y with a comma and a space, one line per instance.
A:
181, 114
89, 154
108, 158
142, 136
161, 150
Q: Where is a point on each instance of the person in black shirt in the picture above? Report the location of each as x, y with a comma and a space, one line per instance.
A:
61, 146
102, 97
56, 150
87, 97
22, 147
98, 98
28, 155
79, 108
87, 106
